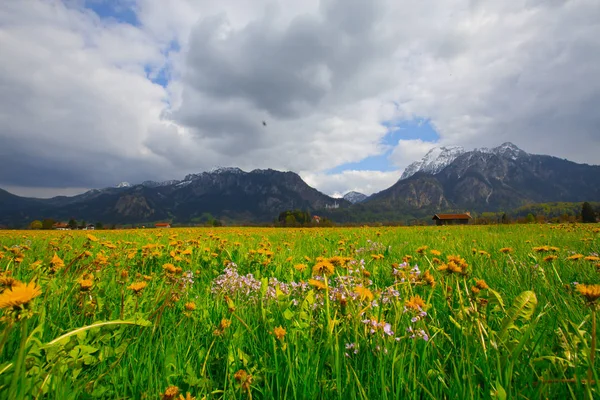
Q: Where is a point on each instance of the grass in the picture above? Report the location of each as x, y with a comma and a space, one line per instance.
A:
391, 321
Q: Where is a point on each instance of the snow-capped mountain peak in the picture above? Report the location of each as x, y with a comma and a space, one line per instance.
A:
434, 161
123, 185
355, 197
439, 158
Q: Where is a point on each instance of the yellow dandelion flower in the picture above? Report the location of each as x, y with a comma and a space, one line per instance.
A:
279, 332
481, 284
85, 284
364, 293
590, 292
428, 278
575, 257
421, 250
190, 306
92, 238
338, 261
137, 287
415, 303
188, 396
592, 258
169, 268
323, 268
506, 250
19, 295
56, 262
8, 281
300, 267
434, 252
549, 258
170, 393
317, 284
475, 290
225, 323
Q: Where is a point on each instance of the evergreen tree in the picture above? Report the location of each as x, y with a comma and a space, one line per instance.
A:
587, 213
72, 223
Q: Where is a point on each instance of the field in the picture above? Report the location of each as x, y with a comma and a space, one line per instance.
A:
350, 313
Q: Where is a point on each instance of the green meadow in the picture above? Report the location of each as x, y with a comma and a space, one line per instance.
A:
465, 312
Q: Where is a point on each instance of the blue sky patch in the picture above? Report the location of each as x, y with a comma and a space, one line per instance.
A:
418, 128
119, 11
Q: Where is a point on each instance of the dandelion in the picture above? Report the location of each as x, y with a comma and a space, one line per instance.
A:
19, 295
363, 293
434, 252
428, 278
575, 257
421, 250
590, 292
592, 258
244, 379
317, 284
323, 268
137, 287
279, 332
188, 396
223, 325
57, 263
85, 284
190, 306
8, 281
550, 258
506, 250
338, 261
300, 267
481, 284
170, 393
415, 303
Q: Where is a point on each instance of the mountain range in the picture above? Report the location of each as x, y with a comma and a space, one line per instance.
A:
446, 179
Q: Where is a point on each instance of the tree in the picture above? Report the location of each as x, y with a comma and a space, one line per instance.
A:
587, 213
72, 223
99, 225
530, 218
37, 224
48, 223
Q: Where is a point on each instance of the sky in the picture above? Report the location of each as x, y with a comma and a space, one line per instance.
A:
96, 92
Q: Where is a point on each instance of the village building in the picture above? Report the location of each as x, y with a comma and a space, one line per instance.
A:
452, 219
61, 226
316, 219
162, 225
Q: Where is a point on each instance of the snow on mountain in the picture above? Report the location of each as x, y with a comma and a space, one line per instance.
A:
152, 184
434, 161
123, 185
222, 170
355, 197
439, 158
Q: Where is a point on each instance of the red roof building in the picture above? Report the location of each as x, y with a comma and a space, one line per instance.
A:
162, 225
452, 219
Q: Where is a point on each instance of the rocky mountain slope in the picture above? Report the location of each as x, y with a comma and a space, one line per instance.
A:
355, 197
504, 177
228, 193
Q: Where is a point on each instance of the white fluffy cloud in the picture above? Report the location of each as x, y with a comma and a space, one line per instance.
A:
367, 182
78, 107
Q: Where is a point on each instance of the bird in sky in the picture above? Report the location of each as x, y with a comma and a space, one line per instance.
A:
264, 123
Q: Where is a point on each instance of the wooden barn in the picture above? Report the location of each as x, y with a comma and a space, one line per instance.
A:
452, 219
162, 225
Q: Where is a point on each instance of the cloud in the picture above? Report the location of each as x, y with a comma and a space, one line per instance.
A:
409, 150
79, 108
366, 182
